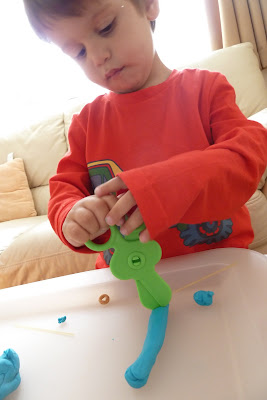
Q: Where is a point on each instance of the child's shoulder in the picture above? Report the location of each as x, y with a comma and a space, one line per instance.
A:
199, 74
99, 101
201, 79
94, 106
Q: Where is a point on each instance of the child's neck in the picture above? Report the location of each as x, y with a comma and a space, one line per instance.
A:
159, 72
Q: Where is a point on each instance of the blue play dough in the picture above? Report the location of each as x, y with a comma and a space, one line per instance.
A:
62, 319
203, 297
9, 373
138, 373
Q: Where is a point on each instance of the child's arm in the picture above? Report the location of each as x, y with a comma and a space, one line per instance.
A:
74, 214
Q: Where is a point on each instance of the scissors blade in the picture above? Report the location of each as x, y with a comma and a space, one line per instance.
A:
145, 297
158, 288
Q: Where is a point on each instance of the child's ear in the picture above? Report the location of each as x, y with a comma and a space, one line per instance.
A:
152, 9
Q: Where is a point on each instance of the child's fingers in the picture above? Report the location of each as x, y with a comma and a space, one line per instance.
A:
144, 236
120, 209
114, 185
88, 216
133, 222
75, 235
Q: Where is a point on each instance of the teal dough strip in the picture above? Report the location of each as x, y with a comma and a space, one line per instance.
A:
9, 373
138, 373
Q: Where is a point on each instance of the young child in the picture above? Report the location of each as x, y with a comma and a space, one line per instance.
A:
167, 148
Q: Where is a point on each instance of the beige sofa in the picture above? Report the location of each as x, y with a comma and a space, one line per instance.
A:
29, 249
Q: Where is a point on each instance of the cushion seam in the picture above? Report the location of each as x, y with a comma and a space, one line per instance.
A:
37, 259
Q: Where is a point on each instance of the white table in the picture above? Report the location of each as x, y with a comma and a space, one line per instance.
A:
210, 353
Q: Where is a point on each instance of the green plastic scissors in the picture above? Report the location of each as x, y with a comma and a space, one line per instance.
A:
135, 260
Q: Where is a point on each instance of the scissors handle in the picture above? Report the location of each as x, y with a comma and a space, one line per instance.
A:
135, 260
114, 237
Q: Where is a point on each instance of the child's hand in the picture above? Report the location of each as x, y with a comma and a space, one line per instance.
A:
124, 204
86, 219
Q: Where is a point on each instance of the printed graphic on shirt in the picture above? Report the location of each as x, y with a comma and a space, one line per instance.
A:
107, 254
205, 233
101, 172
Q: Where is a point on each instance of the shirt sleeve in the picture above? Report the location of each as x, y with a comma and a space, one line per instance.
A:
71, 182
204, 185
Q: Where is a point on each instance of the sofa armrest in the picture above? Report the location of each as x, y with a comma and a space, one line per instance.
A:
261, 117
257, 204
264, 189
264, 73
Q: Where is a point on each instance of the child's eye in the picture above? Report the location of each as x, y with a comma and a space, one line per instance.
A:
108, 29
81, 54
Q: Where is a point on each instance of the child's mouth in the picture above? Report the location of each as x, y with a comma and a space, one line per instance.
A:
113, 73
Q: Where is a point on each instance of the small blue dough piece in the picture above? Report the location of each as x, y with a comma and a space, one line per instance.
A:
138, 373
62, 319
203, 297
9, 373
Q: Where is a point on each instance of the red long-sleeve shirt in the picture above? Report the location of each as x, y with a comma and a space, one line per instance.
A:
189, 156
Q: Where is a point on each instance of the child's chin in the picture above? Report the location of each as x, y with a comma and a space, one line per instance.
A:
125, 90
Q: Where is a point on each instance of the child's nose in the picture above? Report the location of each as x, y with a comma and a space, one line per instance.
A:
99, 55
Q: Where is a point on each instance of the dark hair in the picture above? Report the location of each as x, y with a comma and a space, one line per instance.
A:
40, 11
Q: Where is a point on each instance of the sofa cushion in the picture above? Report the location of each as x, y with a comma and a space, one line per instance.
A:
31, 251
15, 196
11, 230
41, 145
41, 197
264, 73
241, 67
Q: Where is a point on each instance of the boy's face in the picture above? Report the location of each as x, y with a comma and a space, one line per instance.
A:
112, 42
